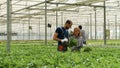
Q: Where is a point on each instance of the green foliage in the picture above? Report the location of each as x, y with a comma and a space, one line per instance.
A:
47, 56
87, 49
73, 42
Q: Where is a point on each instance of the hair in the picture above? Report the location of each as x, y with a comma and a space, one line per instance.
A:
80, 26
76, 28
68, 22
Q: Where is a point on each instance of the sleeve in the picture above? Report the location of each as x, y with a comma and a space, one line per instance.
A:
80, 42
83, 34
58, 30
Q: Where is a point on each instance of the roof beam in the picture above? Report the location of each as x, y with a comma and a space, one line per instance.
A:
76, 4
72, 5
54, 9
27, 7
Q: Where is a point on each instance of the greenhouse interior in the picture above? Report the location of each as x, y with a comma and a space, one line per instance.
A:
27, 28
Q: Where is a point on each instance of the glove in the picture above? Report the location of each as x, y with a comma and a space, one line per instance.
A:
64, 40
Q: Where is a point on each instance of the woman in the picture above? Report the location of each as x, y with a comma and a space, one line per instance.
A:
77, 35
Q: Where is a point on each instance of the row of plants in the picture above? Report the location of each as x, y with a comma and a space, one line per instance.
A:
101, 42
47, 56
89, 42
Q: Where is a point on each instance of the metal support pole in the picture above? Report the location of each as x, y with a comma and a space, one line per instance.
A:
19, 31
95, 23
0, 9
39, 28
104, 23
9, 10
29, 25
56, 17
23, 31
108, 24
90, 25
108, 27
61, 18
119, 31
1, 19
45, 21
116, 27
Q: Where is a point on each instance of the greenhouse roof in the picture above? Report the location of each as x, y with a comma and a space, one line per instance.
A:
35, 8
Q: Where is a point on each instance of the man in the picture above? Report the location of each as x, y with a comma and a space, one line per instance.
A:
61, 35
83, 34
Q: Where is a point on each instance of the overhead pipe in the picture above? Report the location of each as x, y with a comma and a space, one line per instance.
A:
76, 4
54, 9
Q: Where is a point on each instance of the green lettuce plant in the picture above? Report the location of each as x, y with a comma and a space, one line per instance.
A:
73, 42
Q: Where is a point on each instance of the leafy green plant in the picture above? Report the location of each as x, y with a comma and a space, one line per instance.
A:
42, 56
73, 42
87, 49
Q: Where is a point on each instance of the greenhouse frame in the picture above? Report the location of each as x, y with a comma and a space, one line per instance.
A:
35, 21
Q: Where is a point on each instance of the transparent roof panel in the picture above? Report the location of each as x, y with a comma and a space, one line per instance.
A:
36, 8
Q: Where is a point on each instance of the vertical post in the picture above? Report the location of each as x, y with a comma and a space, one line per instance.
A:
119, 31
108, 24
61, 18
29, 25
116, 27
104, 23
56, 17
23, 31
95, 23
0, 9
0, 17
9, 10
45, 21
90, 25
108, 28
39, 28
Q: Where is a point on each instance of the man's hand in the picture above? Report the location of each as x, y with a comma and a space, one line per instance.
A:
64, 40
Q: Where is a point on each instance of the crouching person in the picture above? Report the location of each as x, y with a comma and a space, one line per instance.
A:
78, 37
